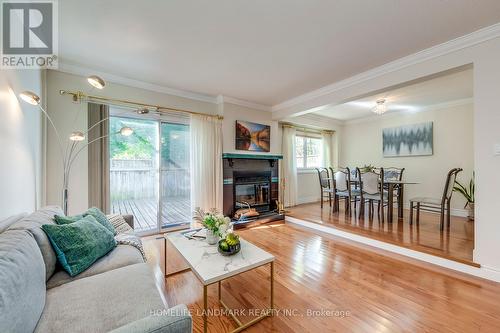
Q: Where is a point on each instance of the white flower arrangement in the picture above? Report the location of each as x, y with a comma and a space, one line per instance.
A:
214, 220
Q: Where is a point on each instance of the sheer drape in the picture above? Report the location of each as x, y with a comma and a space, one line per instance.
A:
328, 143
206, 162
289, 167
98, 159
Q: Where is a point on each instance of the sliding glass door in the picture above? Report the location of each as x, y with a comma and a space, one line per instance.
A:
149, 173
175, 197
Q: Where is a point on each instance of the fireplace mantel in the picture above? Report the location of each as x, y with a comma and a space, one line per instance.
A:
232, 156
253, 156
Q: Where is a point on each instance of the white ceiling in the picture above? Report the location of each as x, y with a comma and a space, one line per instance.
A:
260, 51
412, 98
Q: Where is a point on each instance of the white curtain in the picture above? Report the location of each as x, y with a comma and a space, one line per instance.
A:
206, 162
328, 143
289, 167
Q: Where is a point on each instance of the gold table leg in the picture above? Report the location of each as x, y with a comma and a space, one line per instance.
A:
165, 254
272, 288
205, 309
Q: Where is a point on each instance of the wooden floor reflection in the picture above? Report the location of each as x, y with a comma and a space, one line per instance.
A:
456, 243
328, 284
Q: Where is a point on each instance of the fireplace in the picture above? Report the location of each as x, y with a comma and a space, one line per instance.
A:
252, 190
251, 182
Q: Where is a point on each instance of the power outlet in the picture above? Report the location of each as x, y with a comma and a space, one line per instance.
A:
496, 149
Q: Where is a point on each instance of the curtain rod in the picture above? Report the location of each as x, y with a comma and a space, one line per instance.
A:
79, 96
307, 129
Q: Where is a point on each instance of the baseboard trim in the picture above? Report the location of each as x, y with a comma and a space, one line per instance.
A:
308, 199
487, 273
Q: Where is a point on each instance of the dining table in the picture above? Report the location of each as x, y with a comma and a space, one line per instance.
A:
391, 186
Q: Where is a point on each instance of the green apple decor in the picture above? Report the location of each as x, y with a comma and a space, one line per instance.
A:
229, 245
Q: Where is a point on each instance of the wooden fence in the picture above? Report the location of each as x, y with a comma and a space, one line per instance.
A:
138, 179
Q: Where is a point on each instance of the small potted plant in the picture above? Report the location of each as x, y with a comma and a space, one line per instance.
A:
215, 222
229, 245
468, 194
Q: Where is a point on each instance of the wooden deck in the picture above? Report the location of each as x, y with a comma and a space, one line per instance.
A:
175, 211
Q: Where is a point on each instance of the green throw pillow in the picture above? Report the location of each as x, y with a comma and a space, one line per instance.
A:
94, 211
67, 219
101, 218
79, 244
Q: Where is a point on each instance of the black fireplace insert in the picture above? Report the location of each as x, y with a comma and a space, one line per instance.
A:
252, 189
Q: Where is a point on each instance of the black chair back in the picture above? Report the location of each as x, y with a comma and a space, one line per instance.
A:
323, 175
450, 182
392, 173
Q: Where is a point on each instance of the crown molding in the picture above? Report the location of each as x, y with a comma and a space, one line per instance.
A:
251, 105
231, 100
444, 105
453, 45
317, 119
85, 71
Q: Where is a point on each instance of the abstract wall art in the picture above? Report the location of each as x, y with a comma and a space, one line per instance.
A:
408, 140
252, 136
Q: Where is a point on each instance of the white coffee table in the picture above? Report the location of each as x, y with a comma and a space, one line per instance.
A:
211, 267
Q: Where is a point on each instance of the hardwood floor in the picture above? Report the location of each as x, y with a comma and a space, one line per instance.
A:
327, 284
457, 243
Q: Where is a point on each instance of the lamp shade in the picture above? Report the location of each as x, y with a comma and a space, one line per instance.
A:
30, 97
126, 131
96, 81
77, 136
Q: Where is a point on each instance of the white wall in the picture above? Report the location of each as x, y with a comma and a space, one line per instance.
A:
453, 147
65, 112
234, 112
484, 55
20, 143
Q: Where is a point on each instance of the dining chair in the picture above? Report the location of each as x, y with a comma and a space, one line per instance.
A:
342, 189
441, 206
394, 174
324, 184
371, 189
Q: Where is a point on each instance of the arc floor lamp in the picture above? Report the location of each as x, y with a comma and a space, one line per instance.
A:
70, 149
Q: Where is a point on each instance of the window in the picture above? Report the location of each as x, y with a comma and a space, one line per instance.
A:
308, 151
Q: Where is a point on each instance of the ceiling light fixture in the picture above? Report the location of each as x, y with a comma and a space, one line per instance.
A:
381, 107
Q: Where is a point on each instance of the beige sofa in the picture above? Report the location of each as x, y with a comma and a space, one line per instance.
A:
117, 293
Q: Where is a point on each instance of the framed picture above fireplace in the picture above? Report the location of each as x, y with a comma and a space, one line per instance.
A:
252, 136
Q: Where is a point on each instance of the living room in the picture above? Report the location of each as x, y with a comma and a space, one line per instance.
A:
228, 166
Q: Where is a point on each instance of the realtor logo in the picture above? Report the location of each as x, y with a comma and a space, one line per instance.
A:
29, 34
